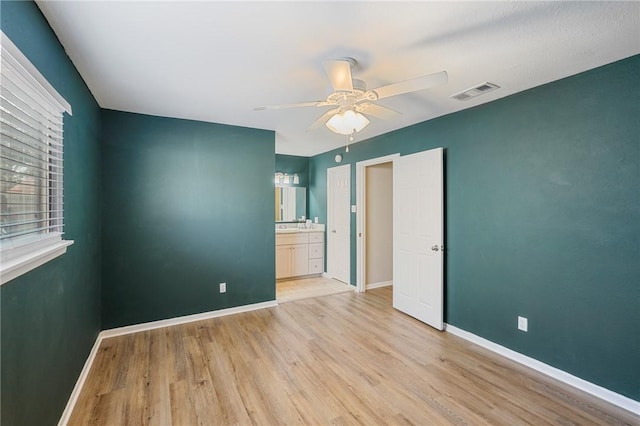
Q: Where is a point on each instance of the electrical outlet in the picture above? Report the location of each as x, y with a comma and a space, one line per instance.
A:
523, 324
223, 287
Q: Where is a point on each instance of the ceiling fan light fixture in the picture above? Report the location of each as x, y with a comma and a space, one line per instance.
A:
345, 123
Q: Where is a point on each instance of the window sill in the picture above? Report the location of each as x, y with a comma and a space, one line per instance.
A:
17, 266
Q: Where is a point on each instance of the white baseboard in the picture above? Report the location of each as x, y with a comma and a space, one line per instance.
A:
378, 285
591, 388
185, 319
66, 414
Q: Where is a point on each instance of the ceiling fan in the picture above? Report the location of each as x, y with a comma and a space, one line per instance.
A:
352, 100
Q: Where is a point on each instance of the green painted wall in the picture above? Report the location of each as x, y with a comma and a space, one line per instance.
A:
50, 317
542, 219
186, 205
294, 164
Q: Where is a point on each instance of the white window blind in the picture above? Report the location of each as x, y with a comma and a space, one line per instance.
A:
31, 158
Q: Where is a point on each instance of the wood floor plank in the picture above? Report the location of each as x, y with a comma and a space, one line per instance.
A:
343, 359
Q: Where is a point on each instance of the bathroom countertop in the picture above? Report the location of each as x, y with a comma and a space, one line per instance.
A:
292, 230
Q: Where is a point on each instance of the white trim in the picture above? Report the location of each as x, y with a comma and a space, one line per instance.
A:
185, 319
378, 285
562, 376
16, 266
361, 205
21, 254
33, 75
73, 399
120, 331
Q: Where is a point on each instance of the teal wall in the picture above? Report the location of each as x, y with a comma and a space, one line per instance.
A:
50, 317
294, 164
186, 205
542, 219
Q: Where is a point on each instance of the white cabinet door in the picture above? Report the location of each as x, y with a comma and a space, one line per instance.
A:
299, 260
283, 261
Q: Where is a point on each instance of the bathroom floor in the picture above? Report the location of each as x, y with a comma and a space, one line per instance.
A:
304, 288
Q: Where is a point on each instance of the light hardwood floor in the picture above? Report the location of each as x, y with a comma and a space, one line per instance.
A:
348, 358
304, 288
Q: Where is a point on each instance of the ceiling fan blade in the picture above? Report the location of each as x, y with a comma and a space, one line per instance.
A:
339, 73
323, 119
415, 84
297, 105
377, 111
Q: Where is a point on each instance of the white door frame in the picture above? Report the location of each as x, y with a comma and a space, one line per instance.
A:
361, 204
329, 225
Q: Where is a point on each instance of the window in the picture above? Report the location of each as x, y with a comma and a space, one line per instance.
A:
31, 166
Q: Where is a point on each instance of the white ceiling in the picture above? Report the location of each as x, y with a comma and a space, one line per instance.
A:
214, 61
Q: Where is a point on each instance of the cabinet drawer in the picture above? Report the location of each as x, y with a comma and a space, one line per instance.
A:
316, 237
316, 250
296, 238
316, 266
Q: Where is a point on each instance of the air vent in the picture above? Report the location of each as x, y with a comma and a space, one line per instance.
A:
475, 91
485, 87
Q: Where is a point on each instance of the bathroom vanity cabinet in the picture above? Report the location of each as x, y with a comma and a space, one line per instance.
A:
299, 253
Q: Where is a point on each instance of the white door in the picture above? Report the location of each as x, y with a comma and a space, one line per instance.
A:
339, 223
418, 236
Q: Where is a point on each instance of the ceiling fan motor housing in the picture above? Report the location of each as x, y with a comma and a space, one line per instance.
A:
348, 98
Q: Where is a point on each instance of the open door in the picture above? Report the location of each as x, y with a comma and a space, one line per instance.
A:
418, 236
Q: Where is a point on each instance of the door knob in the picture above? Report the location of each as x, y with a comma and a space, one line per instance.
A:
435, 248
333, 232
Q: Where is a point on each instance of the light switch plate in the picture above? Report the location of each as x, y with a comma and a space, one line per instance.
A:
523, 324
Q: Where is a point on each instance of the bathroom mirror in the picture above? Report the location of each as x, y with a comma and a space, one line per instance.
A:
291, 203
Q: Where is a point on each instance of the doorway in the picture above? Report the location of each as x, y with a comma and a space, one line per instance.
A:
374, 222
